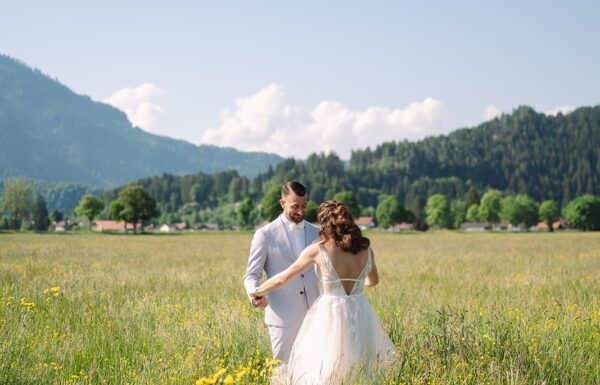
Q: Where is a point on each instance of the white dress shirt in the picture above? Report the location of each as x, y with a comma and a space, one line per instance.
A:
296, 235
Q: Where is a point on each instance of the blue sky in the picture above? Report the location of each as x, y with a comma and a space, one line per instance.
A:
295, 78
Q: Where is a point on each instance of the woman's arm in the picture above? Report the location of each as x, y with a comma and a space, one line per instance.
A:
307, 258
373, 276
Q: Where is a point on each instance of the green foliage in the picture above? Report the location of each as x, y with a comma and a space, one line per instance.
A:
520, 209
584, 213
389, 212
56, 215
438, 211
270, 208
17, 200
472, 197
40, 215
349, 199
549, 213
473, 213
545, 157
311, 211
115, 208
90, 206
244, 210
490, 207
137, 204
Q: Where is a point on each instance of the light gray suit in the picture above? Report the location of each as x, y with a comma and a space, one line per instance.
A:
271, 251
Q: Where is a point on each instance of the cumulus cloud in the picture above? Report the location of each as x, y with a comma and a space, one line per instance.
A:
491, 112
264, 122
560, 109
139, 106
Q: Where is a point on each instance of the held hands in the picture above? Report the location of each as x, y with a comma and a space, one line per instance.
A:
259, 300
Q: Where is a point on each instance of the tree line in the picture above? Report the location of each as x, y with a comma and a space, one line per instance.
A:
134, 205
525, 156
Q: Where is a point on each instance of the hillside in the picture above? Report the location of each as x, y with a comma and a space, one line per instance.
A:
48, 132
546, 157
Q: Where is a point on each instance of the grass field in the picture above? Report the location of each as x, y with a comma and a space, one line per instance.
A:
152, 309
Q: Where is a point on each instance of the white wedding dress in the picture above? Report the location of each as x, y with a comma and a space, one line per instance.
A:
340, 334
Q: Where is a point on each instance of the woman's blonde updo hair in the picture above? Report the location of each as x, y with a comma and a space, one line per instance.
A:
337, 225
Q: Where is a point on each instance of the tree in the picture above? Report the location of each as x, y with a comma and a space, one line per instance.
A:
235, 190
311, 211
115, 208
584, 212
438, 211
349, 199
56, 215
17, 200
270, 206
549, 213
473, 213
472, 197
509, 210
489, 209
528, 210
244, 210
389, 212
89, 206
138, 205
40, 215
519, 210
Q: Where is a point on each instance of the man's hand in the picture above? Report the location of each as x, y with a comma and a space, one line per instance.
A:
259, 301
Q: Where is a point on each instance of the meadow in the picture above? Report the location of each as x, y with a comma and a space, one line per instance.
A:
171, 309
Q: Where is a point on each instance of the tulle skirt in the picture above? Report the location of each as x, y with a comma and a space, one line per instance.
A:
339, 336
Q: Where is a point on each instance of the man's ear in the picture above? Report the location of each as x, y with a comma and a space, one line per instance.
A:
281, 202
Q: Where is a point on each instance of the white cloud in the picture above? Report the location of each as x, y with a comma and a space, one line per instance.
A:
137, 103
264, 122
491, 112
562, 109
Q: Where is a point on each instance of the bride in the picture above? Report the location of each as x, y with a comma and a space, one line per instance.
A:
341, 332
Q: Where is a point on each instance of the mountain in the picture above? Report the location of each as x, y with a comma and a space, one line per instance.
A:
546, 157
47, 132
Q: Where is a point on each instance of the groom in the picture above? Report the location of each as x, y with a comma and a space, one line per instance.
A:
275, 247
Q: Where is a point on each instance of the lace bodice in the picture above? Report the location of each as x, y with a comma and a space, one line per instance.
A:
332, 283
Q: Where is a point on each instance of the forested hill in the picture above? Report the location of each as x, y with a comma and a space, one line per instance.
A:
524, 152
546, 157
48, 132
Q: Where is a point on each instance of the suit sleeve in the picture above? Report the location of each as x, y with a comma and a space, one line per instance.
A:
256, 261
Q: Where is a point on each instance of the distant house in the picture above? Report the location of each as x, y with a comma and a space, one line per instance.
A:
404, 226
502, 226
180, 226
211, 226
475, 226
365, 223
558, 225
165, 228
62, 226
106, 225
205, 226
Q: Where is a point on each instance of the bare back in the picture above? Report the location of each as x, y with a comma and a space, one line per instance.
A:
347, 265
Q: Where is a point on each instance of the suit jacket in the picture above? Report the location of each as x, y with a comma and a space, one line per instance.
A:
271, 252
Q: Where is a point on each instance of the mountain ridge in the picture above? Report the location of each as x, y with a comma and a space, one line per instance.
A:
48, 132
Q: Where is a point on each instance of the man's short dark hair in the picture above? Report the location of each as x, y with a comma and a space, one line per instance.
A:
297, 187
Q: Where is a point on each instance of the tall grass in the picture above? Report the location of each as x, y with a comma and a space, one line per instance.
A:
461, 308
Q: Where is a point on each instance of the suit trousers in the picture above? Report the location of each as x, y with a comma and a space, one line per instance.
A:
282, 340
